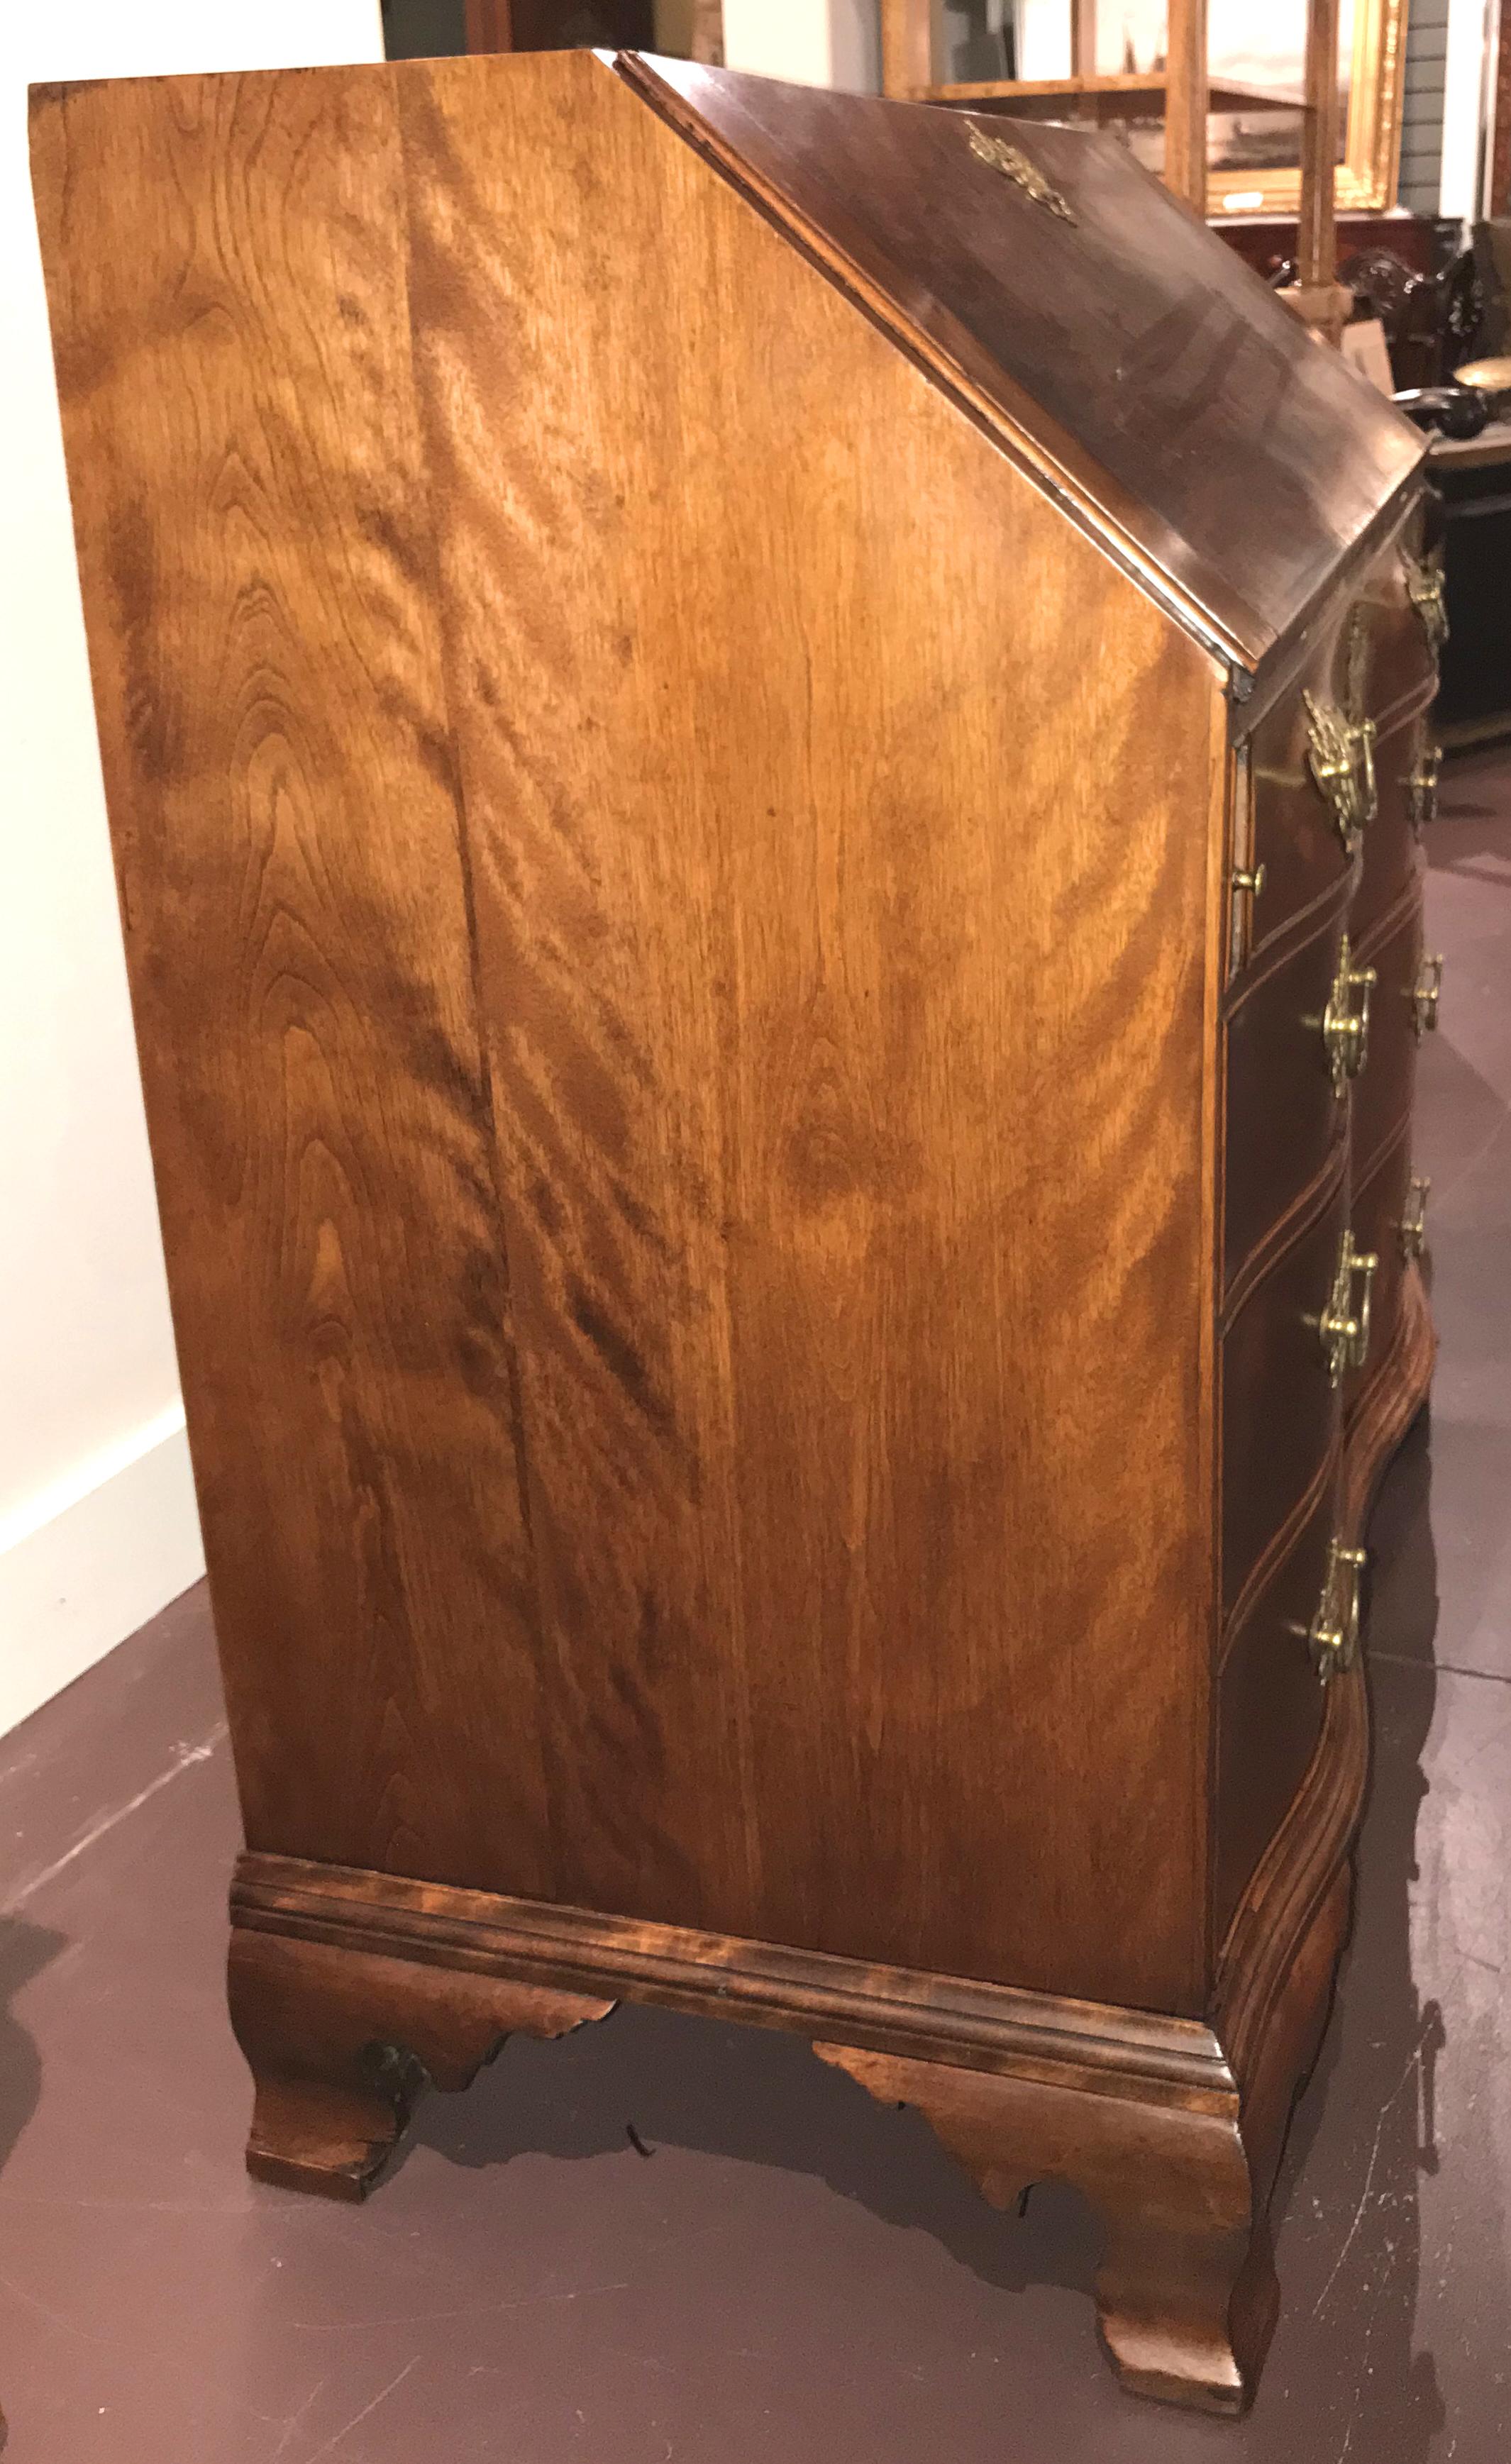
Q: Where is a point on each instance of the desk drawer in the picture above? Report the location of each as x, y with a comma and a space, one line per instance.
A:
1295, 834
1287, 1101
1270, 1703
1382, 1095
1392, 850
1400, 663
1281, 1410
1382, 1214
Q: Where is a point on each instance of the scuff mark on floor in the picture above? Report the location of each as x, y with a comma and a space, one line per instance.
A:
366, 2413
184, 1759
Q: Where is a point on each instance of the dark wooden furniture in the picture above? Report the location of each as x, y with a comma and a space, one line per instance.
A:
1472, 479
759, 746
1408, 270
551, 25
1425, 244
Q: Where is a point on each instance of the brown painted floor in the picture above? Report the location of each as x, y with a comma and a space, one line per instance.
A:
791, 2273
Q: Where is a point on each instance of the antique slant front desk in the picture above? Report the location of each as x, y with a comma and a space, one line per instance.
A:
765, 751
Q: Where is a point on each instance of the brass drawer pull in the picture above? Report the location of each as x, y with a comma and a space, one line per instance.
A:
1421, 786
1424, 587
1345, 1323
1334, 1632
1341, 755
1345, 1027
1413, 1220
1426, 993
1250, 879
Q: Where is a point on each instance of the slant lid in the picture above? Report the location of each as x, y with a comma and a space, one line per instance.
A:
1119, 349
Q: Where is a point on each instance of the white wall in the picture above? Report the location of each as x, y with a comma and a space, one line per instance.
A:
811, 42
97, 1516
1464, 102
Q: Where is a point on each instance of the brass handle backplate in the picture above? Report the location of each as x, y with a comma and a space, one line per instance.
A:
1421, 786
1345, 1323
1413, 1219
1341, 757
1345, 1020
1426, 993
1334, 1632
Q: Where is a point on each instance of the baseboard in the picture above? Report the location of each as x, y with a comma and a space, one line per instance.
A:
90, 1559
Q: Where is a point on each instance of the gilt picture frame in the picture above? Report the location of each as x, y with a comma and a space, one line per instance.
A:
1253, 158
1243, 176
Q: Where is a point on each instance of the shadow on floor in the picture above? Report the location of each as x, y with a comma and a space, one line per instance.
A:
655, 2077
25, 1951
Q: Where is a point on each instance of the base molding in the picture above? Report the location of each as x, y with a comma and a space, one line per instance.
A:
815, 1993
351, 1991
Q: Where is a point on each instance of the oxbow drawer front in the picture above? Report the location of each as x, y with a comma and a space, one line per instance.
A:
1313, 787
1402, 611
1270, 1696
1392, 850
1389, 1223
1298, 1035
1284, 1357
1384, 1088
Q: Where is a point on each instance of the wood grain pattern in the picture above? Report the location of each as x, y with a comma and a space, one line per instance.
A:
932, 2017
227, 285
798, 1002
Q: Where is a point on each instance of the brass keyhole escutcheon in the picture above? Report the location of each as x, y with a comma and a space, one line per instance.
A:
1426, 993
1345, 1323
1334, 1632
1345, 1020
